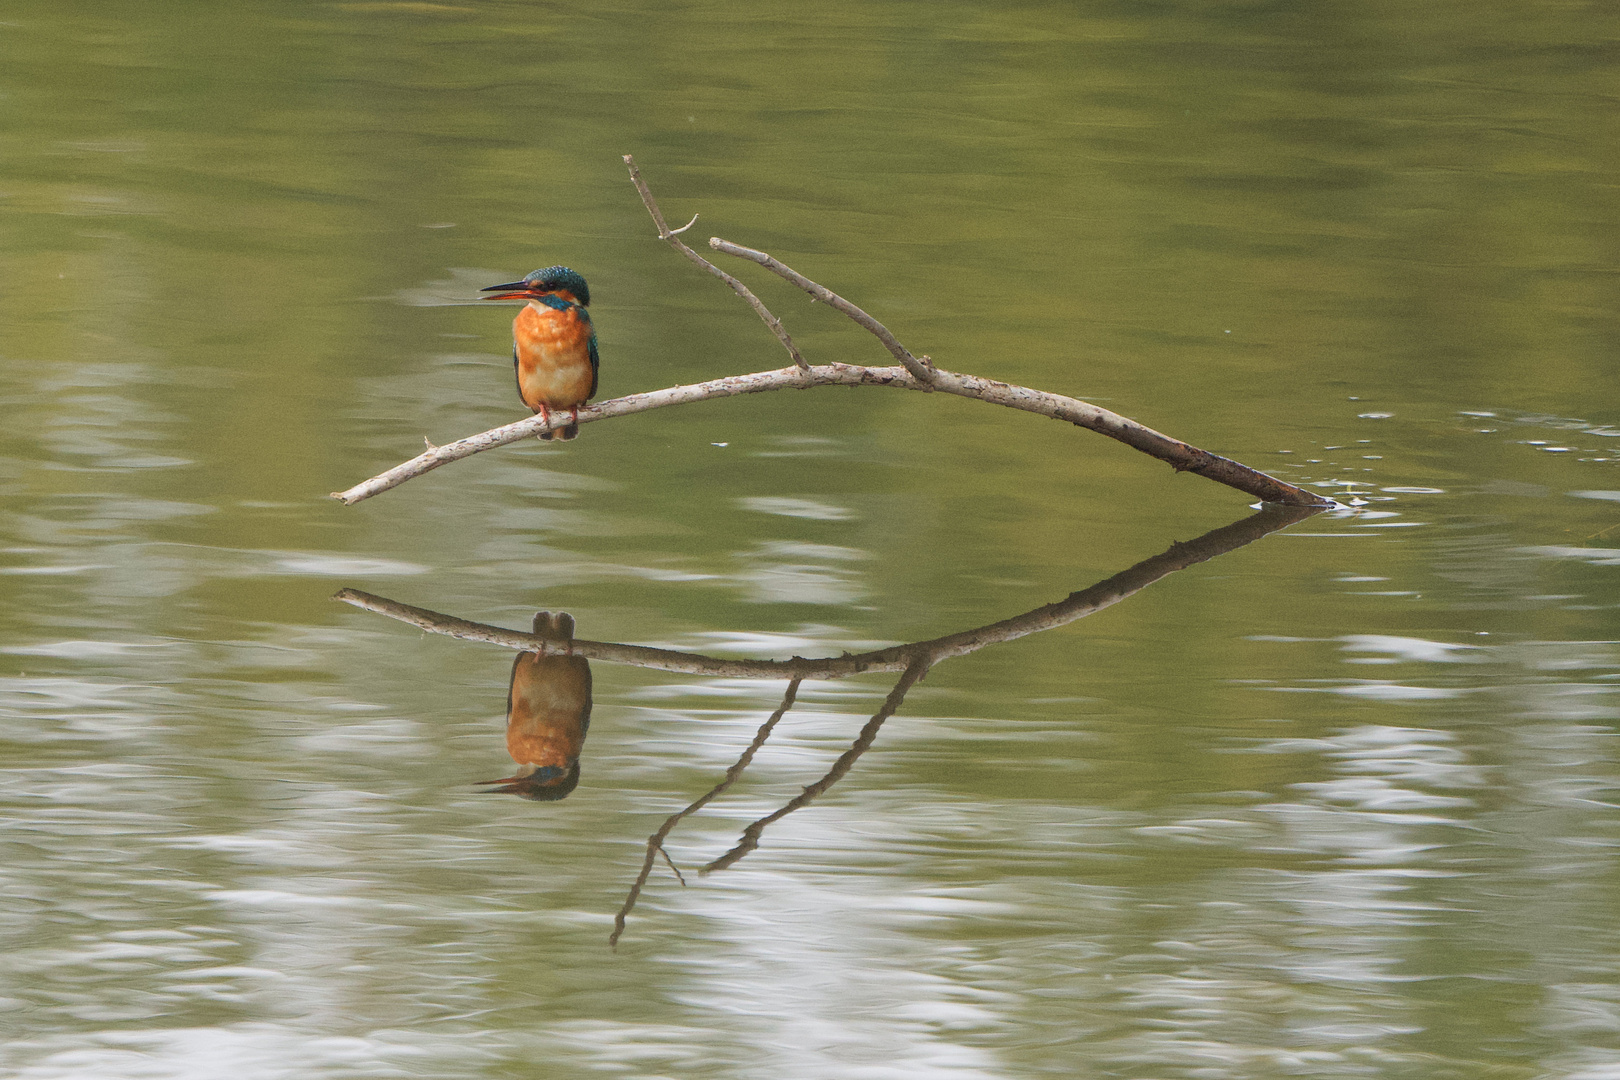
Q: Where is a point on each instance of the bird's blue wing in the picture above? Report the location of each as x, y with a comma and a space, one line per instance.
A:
596, 365
596, 361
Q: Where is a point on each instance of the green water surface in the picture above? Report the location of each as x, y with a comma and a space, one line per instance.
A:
1338, 803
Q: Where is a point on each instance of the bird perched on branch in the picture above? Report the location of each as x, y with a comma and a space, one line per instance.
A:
548, 712
553, 343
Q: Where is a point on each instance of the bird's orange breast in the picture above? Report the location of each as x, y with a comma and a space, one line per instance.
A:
550, 704
553, 355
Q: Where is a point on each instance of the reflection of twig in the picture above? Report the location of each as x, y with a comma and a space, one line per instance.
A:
669, 234
897, 658
655, 842
913, 661
669, 862
750, 838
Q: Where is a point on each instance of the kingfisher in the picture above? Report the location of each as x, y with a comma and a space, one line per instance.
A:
553, 343
548, 712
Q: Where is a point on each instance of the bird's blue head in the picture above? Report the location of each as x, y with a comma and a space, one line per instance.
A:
548, 280
547, 784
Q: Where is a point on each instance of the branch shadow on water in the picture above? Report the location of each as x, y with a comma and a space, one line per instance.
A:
544, 713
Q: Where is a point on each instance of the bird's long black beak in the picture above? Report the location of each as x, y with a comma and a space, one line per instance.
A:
505, 786
511, 286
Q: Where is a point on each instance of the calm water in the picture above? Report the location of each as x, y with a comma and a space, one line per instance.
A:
1340, 802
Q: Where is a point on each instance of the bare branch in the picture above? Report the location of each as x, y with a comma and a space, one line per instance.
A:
920, 371
529, 426
916, 373
1182, 456
655, 842
750, 838
666, 233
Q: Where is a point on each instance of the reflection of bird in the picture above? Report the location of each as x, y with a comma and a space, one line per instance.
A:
548, 711
553, 342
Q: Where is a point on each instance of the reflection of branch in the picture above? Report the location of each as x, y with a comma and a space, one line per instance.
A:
897, 658
655, 842
669, 234
912, 661
750, 838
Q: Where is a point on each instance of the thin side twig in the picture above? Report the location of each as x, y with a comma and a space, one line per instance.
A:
921, 371
669, 862
673, 238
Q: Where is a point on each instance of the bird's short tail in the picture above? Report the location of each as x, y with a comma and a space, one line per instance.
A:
554, 627
562, 434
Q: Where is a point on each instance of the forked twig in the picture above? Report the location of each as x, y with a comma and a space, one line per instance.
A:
915, 373
672, 236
